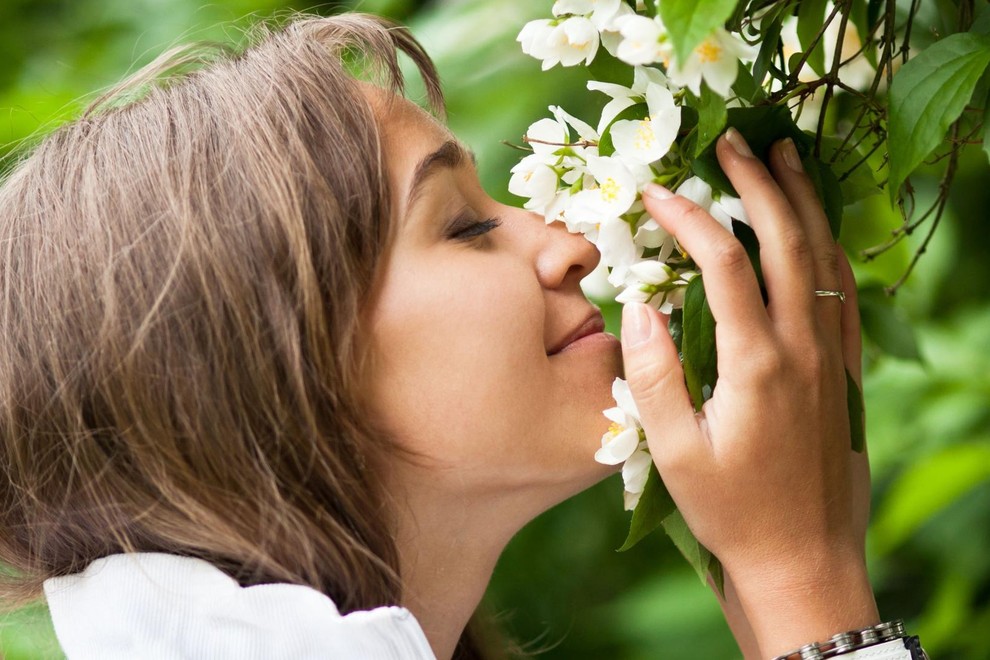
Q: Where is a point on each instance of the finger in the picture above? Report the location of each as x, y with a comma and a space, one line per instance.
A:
784, 251
800, 192
730, 283
656, 380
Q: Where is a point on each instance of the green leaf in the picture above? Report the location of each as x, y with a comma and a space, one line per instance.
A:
698, 344
747, 237
986, 128
886, 325
676, 327
769, 44
696, 554
654, 505
711, 118
811, 17
718, 575
859, 182
761, 126
689, 21
746, 88
929, 93
859, 15
981, 25
873, 9
927, 488
857, 420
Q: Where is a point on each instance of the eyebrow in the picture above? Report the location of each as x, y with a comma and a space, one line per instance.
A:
450, 154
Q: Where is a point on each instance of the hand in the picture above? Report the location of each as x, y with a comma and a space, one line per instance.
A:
764, 474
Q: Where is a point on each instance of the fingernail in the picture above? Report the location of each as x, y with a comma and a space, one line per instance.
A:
790, 154
656, 191
637, 326
738, 143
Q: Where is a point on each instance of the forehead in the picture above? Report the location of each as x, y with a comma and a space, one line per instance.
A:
411, 137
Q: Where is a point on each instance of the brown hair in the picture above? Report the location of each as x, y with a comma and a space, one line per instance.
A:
181, 284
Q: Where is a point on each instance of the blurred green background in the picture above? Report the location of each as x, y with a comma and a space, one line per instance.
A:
561, 588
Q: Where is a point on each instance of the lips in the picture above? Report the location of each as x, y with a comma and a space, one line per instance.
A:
591, 325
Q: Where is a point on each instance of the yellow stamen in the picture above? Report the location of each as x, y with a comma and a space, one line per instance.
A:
645, 137
609, 190
708, 51
615, 429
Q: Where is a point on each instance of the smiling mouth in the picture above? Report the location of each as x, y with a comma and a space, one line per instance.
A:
593, 325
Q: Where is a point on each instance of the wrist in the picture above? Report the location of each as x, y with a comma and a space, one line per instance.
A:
791, 605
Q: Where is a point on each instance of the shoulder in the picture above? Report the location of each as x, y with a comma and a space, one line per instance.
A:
152, 605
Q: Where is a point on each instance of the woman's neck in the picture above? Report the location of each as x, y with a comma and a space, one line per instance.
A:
448, 551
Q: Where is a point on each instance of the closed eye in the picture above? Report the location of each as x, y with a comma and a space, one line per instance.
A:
474, 228
465, 225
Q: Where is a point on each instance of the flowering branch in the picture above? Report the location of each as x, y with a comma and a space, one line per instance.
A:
770, 69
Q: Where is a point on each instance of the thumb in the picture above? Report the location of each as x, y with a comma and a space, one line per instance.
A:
656, 379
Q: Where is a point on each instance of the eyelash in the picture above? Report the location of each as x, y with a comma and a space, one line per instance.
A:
475, 229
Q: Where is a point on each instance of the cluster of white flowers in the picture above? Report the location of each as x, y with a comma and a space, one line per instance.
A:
625, 443
592, 178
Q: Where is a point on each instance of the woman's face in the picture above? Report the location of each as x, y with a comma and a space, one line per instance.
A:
470, 328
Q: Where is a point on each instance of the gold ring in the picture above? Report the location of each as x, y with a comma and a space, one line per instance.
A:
822, 293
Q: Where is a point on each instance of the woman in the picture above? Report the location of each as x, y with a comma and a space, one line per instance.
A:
271, 356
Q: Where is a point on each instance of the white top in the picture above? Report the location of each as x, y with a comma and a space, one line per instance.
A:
153, 606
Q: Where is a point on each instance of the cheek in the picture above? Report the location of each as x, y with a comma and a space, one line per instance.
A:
461, 363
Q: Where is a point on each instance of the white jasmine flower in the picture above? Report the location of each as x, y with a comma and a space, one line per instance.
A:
534, 38
535, 180
715, 60
574, 40
567, 41
584, 131
644, 40
600, 12
615, 243
650, 234
724, 209
625, 442
624, 97
612, 191
635, 471
546, 136
630, 500
648, 140
610, 35
616, 443
650, 282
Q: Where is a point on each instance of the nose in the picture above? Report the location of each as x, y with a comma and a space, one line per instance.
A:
563, 258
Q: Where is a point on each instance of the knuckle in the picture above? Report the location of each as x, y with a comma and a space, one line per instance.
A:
828, 261
648, 382
795, 245
767, 365
694, 214
730, 256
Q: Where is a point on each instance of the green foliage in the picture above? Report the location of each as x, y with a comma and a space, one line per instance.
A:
712, 117
811, 21
761, 126
927, 95
698, 344
654, 506
912, 501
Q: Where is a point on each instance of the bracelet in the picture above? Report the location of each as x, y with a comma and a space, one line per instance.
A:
853, 640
